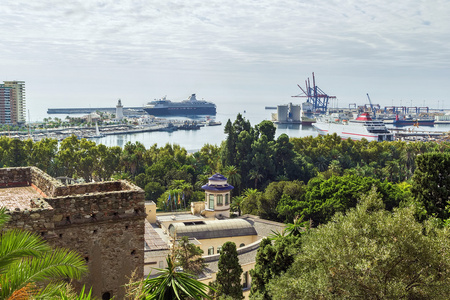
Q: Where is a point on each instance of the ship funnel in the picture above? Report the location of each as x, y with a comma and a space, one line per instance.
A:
192, 98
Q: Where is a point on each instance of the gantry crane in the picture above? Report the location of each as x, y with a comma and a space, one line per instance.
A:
315, 95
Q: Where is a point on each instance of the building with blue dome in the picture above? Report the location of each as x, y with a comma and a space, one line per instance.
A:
217, 197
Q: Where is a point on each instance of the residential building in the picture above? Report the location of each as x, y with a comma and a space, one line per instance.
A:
17, 103
5, 104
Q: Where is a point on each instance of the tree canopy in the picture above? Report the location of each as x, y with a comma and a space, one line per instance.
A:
370, 253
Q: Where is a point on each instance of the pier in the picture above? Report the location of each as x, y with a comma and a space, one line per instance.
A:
117, 129
414, 134
88, 110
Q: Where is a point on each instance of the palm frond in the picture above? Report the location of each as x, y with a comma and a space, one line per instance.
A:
16, 244
60, 264
4, 218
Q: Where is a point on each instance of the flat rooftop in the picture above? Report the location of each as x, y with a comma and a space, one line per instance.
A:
177, 217
154, 239
18, 197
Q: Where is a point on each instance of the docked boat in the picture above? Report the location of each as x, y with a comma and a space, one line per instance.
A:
410, 121
189, 107
362, 127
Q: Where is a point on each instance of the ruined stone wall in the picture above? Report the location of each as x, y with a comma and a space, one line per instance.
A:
106, 227
44, 182
10, 177
94, 187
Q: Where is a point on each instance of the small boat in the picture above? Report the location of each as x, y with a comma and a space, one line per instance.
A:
97, 133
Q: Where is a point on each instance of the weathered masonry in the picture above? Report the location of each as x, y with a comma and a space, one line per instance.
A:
103, 221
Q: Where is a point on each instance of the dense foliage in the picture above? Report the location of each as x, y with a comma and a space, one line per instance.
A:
370, 253
272, 259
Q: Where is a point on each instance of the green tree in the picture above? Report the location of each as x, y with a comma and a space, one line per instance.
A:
266, 128
228, 279
27, 263
369, 253
229, 146
431, 183
189, 257
272, 259
233, 176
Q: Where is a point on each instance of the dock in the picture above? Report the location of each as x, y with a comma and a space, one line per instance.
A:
88, 110
117, 129
414, 134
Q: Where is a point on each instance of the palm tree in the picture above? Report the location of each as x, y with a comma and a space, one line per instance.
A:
254, 174
236, 204
170, 284
232, 173
26, 260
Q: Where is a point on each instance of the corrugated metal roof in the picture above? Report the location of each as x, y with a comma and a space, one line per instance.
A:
212, 229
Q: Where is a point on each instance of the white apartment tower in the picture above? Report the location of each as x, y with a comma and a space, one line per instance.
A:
18, 115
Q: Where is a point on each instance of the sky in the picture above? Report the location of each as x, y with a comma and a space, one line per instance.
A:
235, 53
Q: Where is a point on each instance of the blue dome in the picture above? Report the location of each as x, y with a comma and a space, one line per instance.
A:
217, 177
217, 187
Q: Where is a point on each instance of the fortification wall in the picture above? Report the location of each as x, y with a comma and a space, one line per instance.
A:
44, 182
104, 222
93, 187
10, 177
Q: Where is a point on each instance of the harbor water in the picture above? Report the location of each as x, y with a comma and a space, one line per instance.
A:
193, 140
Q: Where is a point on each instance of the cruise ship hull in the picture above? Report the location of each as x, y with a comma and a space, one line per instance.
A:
181, 111
190, 107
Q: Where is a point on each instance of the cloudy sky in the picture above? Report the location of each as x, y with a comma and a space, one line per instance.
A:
90, 53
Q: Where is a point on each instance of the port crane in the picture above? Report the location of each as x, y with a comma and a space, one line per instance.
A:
372, 108
315, 95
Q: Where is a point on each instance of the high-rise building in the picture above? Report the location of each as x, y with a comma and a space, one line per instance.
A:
18, 115
5, 104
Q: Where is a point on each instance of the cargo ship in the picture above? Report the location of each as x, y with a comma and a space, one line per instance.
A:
362, 127
409, 121
189, 107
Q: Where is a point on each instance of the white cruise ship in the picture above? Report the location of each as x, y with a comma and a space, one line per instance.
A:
361, 127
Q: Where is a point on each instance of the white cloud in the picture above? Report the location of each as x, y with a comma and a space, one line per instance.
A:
224, 37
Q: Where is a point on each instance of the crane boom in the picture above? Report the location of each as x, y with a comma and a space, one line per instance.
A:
372, 108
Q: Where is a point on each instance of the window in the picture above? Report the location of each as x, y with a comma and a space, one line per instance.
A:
227, 201
241, 245
210, 250
219, 248
245, 280
219, 200
211, 202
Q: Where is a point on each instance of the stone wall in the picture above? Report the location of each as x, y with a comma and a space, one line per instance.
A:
104, 222
44, 182
94, 187
10, 177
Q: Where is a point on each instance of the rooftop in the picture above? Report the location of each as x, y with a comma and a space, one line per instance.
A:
18, 197
153, 239
212, 229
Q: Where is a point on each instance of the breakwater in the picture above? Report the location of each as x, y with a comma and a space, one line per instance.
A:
88, 110
92, 133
